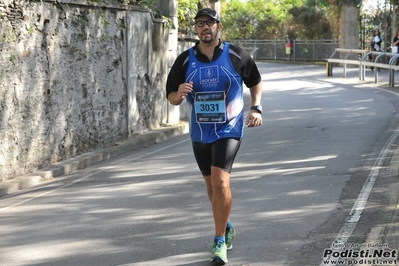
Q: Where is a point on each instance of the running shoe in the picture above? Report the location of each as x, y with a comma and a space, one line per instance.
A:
219, 253
230, 232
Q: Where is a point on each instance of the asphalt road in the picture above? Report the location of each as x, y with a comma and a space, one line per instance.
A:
295, 182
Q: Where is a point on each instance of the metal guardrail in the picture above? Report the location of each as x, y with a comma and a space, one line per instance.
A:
390, 66
362, 62
348, 59
301, 50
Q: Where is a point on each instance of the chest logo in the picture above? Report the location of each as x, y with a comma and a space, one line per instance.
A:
209, 76
208, 72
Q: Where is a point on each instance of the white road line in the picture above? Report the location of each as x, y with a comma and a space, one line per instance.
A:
357, 209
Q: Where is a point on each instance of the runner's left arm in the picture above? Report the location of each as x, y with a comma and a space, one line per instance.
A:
254, 118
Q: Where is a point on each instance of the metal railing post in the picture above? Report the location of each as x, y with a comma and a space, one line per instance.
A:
393, 61
362, 67
329, 69
256, 45
314, 50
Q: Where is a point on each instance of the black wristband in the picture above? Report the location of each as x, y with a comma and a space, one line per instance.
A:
257, 108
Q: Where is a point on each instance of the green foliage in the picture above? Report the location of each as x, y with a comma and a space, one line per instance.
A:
104, 37
280, 19
311, 22
10, 36
237, 21
256, 19
103, 19
30, 29
168, 22
185, 14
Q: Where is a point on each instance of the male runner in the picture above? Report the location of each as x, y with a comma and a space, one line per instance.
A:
210, 77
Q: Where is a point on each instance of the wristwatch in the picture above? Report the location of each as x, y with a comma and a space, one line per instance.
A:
257, 108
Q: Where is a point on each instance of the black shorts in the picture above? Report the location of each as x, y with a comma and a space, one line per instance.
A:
220, 153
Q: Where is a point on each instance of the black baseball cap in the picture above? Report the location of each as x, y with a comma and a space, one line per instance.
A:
208, 12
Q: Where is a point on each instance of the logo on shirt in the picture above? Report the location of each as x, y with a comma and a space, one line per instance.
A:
209, 76
208, 72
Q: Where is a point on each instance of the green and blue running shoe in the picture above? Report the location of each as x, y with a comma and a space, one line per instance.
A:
219, 253
229, 237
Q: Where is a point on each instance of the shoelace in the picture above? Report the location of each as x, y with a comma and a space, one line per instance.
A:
218, 246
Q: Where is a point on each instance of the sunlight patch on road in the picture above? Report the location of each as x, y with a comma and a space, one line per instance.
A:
302, 192
254, 174
56, 250
297, 212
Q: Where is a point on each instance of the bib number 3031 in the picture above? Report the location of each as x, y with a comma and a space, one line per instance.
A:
210, 107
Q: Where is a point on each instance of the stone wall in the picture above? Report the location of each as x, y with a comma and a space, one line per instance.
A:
74, 78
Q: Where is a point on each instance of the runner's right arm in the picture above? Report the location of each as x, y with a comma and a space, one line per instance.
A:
177, 97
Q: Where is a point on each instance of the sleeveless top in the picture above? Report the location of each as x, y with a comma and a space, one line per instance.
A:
216, 102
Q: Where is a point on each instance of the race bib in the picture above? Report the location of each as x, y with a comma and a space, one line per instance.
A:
210, 107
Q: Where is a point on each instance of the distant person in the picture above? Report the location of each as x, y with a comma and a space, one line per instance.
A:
375, 45
395, 43
210, 76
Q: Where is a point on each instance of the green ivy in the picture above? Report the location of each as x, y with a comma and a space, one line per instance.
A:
103, 19
169, 23
104, 37
10, 36
31, 29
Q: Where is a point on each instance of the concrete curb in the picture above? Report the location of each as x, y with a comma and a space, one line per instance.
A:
82, 161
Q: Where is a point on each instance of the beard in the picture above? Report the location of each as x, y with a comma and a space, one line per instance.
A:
208, 38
